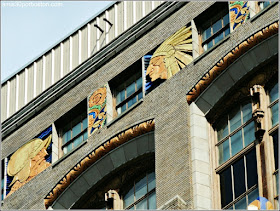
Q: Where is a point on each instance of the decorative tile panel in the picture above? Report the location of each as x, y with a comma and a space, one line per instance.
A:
239, 13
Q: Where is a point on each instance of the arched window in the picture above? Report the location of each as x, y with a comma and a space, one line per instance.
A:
142, 194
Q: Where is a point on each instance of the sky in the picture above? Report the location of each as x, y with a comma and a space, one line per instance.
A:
28, 28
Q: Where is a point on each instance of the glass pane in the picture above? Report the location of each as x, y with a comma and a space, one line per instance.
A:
141, 188
152, 201
85, 135
230, 208
274, 114
222, 129
275, 147
253, 196
239, 177
129, 197
76, 129
120, 96
210, 44
151, 181
226, 19
130, 89
236, 143
85, 123
131, 102
142, 205
217, 26
224, 154
139, 83
77, 141
249, 133
235, 119
274, 93
206, 34
123, 108
140, 96
265, 4
247, 112
251, 165
218, 38
66, 137
227, 31
241, 204
69, 147
226, 187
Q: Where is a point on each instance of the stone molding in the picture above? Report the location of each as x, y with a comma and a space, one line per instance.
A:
227, 60
95, 155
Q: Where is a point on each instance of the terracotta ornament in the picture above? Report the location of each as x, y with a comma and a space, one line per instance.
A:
172, 55
229, 58
95, 155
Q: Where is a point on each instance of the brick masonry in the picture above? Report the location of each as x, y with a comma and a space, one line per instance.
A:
166, 104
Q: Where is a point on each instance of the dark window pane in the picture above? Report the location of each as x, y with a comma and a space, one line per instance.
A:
274, 93
210, 44
249, 133
129, 197
226, 186
206, 34
120, 96
139, 83
69, 147
85, 135
218, 38
277, 183
224, 154
152, 201
140, 96
275, 146
222, 129
217, 26
239, 177
226, 19
236, 143
151, 181
131, 102
66, 137
247, 112
85, 123
235, 119
227, 31
78, 140
76, 129
130, 89
123, 108
251, 165
274, 114
241, 204
141, 188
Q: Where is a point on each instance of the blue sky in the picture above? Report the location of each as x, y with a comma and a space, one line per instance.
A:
28, 28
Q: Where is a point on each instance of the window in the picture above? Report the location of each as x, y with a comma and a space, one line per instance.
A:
273, 106
73, 128
235, 132
215, 31
264, 4
129, 93
142, 195
127, 88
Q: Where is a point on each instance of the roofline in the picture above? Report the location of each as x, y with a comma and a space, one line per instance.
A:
58, 42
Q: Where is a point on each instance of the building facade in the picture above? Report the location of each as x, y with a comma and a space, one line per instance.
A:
149, 105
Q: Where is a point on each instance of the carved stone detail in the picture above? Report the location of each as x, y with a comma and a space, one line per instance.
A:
95, 155
232, 56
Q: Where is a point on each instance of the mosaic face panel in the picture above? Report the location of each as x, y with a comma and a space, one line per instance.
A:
239, 13
171, 56
97, 110
29, 160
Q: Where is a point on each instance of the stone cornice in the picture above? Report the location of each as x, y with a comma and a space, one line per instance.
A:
95, 155
230, 57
